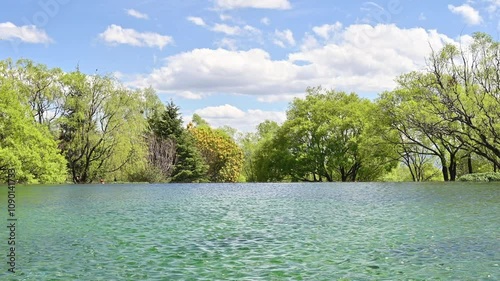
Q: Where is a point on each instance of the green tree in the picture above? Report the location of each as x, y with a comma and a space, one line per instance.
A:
25, 145
101, 126
175, 153
421, 132
191, 166
40, 86
466, 82
269, 159
329, 136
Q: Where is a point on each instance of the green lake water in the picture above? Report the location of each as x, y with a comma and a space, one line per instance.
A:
361, 231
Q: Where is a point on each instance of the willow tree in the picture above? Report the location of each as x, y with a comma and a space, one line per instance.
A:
420, 131
101, 126
256, 164
25, 145
466, 82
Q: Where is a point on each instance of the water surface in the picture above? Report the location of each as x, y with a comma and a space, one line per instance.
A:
325, 231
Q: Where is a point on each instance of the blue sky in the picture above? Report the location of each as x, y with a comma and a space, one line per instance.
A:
239, 62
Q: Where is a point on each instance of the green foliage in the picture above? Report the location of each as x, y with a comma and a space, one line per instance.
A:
199, 122
259, 155
401, 173
481, 177
101, 126
148, 173
178, 158
24, 145
191, 166
329, 136
167, 124
465, 84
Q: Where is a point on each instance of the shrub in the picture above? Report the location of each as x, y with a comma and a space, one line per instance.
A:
481, 177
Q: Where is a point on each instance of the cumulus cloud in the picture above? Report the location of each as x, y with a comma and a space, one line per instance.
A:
284, 38
362, 58
26, 33
136, 14
259, 4
116, 34
468, 13
197, 20
232, 116
265, 21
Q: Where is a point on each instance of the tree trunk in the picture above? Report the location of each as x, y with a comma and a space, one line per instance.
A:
444, 169
453, 168
343, 175
469, 164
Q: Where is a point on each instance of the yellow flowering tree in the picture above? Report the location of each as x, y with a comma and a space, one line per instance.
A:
223, 156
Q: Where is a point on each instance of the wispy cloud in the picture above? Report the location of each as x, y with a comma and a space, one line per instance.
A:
136, 14
258, 4
116, 34
235, 30
284, 38
227, 29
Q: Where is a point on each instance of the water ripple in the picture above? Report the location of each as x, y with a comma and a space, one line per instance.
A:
259, 232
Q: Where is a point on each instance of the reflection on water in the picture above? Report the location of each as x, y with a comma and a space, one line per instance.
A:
258, 232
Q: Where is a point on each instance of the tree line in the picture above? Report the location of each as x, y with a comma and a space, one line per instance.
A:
59, 127
437, 124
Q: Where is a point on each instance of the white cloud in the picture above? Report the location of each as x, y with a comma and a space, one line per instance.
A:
227, 43
284, 38
265, 21
189, 95
116, 34
309, 42
227, 29
232, 116
493, 6
235, 30
259, 4
470, 15
25, 33
363, 58
251, 30
197, 20
137, 14
422, 16
223, 111
325, 31
368, 58
224, 17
